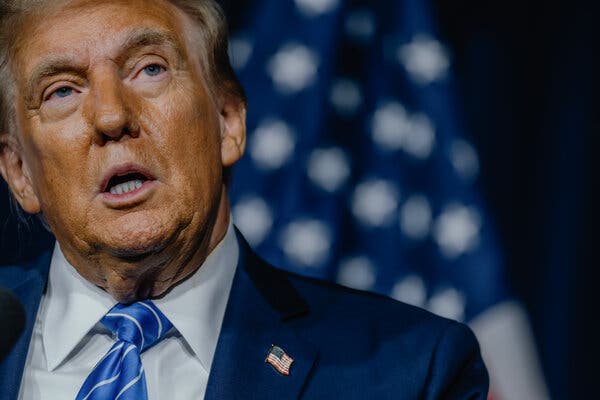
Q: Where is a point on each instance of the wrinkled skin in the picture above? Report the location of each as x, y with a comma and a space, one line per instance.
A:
87, 101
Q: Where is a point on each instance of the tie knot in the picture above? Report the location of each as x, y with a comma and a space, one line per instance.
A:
140, 323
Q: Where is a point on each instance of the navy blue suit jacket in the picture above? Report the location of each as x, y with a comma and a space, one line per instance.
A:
346, 344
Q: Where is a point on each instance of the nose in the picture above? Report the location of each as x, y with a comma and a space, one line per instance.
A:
112, 117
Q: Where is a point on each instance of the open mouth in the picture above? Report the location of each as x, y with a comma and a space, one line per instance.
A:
121, 184
126, 183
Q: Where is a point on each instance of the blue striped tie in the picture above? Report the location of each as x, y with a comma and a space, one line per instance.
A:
119, 375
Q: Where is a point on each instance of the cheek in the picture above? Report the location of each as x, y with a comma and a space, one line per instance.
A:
190, 128
56, 153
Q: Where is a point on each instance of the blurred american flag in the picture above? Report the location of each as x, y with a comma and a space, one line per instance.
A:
358, 169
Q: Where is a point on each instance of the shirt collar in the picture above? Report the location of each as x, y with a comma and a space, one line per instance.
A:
195, 307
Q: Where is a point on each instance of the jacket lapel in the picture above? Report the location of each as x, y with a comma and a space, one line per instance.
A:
262, 300
28, 285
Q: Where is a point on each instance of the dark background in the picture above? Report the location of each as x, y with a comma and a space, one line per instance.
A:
526, 77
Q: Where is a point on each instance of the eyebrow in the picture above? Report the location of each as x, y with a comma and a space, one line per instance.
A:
146, 37
63, 63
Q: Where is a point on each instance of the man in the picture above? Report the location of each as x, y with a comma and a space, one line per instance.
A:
120, 123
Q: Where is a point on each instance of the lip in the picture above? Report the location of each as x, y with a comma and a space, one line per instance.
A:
130, 198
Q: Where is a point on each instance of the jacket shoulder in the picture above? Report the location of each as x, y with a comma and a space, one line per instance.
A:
12, 275
424, 355
328, 297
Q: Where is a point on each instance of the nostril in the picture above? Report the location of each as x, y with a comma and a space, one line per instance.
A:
118, 134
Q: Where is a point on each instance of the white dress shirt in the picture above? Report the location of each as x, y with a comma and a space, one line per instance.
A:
68, 339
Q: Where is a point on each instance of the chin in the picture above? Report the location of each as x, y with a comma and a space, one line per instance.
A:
138, 235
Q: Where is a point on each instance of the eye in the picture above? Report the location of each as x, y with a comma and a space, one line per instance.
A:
153, 69
62, 92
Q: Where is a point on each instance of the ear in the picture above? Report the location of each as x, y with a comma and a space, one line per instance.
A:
233, 130
16, 174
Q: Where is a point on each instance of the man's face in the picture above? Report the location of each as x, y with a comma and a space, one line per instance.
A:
122, 144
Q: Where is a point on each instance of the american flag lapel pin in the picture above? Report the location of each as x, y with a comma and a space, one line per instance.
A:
279, 359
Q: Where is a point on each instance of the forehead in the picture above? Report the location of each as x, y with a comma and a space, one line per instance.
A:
90, 30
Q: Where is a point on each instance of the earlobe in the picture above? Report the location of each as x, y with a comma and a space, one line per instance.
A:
233, 131
16, 174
